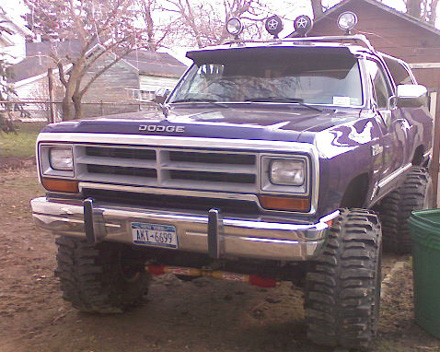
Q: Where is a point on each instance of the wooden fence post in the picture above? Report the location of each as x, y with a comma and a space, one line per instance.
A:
51, 104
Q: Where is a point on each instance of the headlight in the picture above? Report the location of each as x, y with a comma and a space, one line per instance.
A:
287, 172
61, 159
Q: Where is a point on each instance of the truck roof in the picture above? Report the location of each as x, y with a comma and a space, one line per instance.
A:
356, 44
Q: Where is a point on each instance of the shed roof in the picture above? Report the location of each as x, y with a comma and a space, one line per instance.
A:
425, 25
155, 64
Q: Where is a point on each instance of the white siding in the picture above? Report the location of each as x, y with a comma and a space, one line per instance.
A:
16, 52
35, 90
152, 83
13, 46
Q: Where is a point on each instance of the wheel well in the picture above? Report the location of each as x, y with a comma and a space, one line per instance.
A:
418, 155
356, 192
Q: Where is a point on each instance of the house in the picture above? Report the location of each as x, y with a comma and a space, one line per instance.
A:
30, 75
399, 35
156, 70
12, 39
124, 87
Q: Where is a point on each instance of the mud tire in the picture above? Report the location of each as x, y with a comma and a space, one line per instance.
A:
106, 278
342, 292
395, 209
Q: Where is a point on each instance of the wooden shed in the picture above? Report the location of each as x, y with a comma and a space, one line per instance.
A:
400, 35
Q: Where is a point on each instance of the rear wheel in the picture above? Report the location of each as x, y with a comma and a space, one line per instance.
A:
105, 278
342, 293
416, 193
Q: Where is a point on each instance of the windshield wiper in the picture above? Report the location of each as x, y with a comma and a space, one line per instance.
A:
200, 100
283, 100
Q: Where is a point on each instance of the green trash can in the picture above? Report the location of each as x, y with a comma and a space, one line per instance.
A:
424, 227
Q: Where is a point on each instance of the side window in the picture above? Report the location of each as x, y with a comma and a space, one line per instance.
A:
382, 90
398, 71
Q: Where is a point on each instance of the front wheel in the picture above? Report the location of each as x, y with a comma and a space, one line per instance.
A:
342, 293
103, 278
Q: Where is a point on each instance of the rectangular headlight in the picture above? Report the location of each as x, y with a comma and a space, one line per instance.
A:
61, 158
287, 172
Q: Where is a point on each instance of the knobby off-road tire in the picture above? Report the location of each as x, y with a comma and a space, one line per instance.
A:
395, 209
106, 278
342, 292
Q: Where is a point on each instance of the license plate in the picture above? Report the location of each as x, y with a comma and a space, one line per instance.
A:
154, 235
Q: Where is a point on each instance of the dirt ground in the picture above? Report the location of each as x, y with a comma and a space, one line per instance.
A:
202, 315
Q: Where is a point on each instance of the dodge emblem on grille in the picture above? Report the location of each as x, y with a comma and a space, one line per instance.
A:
159, 128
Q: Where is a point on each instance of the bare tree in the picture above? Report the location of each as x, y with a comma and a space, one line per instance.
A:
428, 11
203, 23
158, 26
425, 10
317, 8
432, 12
413, 7
103, 29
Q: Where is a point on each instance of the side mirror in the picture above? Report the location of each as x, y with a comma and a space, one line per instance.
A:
161, 95
411, 96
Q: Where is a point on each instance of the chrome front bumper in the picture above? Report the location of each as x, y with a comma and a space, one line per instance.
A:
246, 238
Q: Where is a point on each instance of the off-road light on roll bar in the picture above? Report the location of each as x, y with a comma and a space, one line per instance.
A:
234, 27
274, 25
347, 21
302, 24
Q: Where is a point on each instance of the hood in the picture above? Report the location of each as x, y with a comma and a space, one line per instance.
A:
253, 122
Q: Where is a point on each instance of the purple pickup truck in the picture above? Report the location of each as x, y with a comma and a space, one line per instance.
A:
280, 160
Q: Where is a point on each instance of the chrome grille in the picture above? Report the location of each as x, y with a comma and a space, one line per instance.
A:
212, 170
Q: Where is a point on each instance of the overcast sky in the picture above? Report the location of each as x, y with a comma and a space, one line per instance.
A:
16, 8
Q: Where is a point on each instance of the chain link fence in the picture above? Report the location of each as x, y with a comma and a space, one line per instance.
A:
45, 111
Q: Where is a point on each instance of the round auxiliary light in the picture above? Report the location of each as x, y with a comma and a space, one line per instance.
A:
347, 21
234, 26
274, 25
302, 24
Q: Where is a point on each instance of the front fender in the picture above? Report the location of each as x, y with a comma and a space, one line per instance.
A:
345, 153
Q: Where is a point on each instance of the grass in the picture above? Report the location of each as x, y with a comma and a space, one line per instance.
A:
21, 145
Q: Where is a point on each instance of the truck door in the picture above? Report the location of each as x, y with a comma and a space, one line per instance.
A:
392, 122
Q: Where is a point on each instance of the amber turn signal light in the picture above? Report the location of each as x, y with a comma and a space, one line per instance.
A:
57, 185
285, 203
329, 223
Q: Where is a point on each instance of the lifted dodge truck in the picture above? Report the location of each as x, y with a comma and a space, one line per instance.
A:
270, 161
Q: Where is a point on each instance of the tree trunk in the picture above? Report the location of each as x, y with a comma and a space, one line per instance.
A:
317, 8
433, 12
70, 101
150, 27
67, 106
414, 8
79, 113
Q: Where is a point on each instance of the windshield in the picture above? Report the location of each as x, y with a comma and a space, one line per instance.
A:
308, 77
